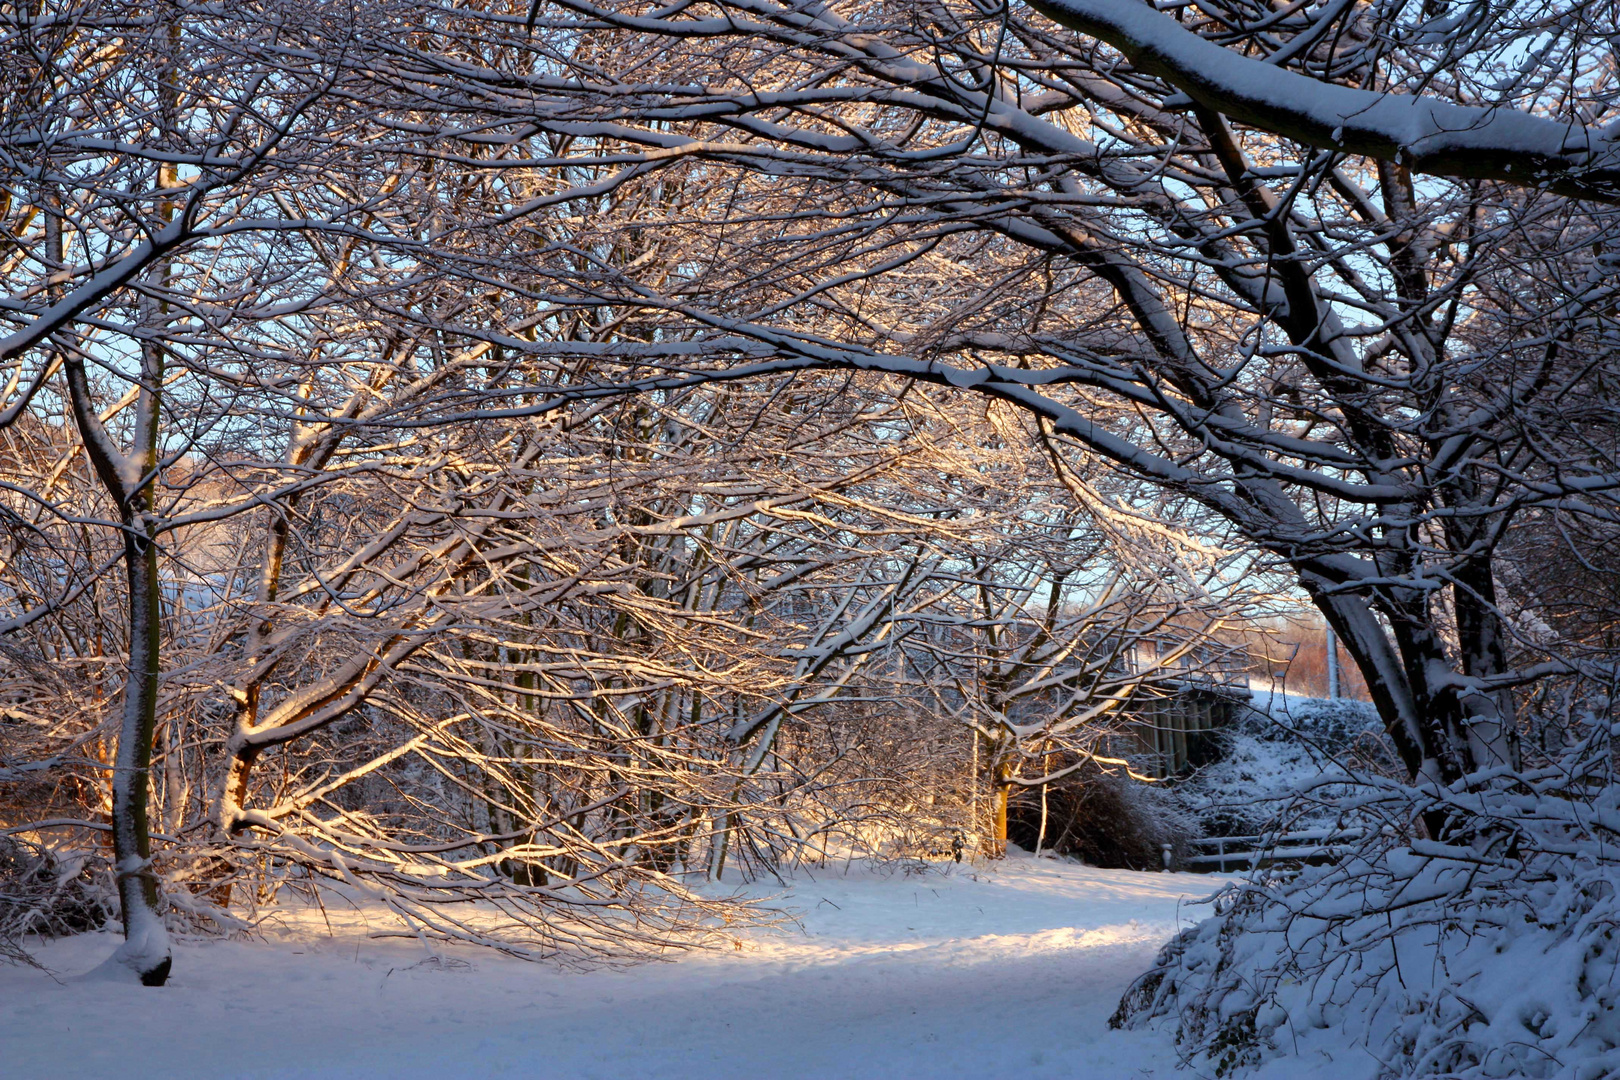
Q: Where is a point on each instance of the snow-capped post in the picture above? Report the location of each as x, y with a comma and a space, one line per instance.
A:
1332, 665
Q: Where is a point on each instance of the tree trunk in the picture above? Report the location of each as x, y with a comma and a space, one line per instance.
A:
146, 942
1441, 732
130, 480
1493, 720
1001, 792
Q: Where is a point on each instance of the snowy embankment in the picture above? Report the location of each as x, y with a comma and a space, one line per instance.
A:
1006, 970
1464, 931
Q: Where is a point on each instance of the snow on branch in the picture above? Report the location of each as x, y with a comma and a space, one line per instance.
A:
1426, 134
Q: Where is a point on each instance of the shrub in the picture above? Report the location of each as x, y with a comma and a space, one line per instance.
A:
45, 895
1488, 952
1103, 819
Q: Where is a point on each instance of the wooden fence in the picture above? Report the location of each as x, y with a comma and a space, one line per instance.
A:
1217, 854
1176, 733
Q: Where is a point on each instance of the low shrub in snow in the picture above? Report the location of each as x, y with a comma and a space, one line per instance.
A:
1104, 819
45, 895
1276, 750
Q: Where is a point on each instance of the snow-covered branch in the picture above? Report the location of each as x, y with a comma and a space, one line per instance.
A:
1424, 132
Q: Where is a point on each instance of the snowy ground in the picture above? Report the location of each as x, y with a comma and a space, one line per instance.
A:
971, 972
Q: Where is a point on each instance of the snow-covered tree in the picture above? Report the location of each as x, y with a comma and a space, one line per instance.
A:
1360, 360
1336, 279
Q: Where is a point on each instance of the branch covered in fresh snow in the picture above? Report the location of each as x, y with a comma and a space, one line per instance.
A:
1426, 134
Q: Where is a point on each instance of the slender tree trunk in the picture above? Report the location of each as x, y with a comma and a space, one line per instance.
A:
1001, 774
1040, 837
146, 943
131, 480
1492, 716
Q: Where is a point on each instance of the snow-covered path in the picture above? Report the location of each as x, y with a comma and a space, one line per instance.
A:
1010, 971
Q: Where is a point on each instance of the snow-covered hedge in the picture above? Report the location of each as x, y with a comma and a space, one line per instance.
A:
1491, 953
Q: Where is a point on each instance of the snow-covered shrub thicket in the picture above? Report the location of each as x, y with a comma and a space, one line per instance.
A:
587, 700
1277, 746
1488, 953
1330, 724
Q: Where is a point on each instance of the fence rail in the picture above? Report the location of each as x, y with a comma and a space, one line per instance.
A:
1248, 852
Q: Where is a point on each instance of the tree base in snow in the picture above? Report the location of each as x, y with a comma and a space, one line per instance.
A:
145, 952
158, 975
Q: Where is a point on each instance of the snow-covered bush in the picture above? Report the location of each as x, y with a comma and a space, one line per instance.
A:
1488, 953
42, 894
1279, 747
1331, 724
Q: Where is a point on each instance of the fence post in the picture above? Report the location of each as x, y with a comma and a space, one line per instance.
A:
1332, 665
